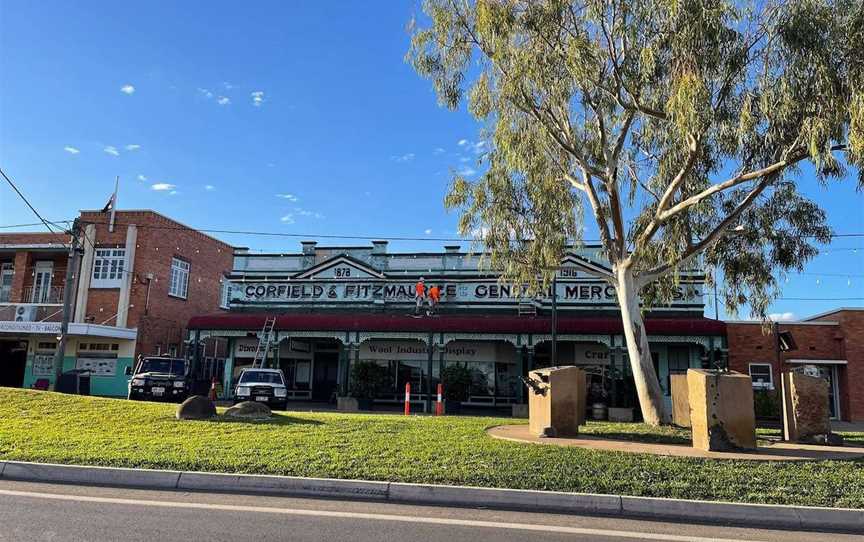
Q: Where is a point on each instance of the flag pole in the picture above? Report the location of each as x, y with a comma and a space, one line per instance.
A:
114, 204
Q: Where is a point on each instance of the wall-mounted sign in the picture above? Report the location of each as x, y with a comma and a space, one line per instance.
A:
98, 366
30, 327
590, 354
416, 350
43, 364
313, 292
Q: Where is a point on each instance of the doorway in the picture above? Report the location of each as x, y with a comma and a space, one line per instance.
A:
324, 375
13, 359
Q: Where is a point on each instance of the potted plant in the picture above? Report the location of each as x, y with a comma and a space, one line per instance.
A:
456, 380
368, 380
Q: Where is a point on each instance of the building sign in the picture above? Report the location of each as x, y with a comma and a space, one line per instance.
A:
590, 354
416, 350
30, 327
97, 366
298, 292
43, 365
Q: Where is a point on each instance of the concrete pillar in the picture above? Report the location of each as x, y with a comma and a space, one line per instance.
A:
126, 287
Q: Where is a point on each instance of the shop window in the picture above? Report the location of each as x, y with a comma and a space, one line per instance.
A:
108, 267
179, 285
762, 376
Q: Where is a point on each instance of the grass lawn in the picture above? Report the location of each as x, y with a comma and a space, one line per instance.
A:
42, 426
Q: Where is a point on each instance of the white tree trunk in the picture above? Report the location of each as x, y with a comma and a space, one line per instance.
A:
647, 385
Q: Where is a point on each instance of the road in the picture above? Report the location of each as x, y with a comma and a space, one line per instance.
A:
50, 512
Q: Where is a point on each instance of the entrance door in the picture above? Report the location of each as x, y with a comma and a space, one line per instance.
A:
829, 372
42, 282
13, 358
324, 375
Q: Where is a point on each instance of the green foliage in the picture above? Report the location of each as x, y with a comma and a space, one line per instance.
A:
456, 379
368, 379
766, 403
678, 124
55, 428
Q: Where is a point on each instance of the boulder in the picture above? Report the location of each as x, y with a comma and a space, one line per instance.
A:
196, 407
249, 410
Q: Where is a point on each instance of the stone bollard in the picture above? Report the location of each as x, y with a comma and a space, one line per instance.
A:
721, 410
806, 415
556, 401
680, 400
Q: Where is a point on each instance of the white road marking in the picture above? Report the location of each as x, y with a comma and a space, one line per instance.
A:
374, 517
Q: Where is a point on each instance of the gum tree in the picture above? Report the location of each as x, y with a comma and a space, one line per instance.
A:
679, 127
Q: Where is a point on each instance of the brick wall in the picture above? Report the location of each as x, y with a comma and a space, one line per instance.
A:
836, 336
162, 320
24, 259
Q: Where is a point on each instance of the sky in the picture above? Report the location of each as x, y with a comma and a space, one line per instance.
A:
291, 117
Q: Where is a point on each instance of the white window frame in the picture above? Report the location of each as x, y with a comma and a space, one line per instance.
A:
109, 265
178, 284
43, 278
7, 270
769, 385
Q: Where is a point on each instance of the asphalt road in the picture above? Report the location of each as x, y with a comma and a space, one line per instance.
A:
49, 512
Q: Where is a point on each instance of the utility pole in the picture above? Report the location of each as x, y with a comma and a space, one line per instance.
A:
554, 359
68, 294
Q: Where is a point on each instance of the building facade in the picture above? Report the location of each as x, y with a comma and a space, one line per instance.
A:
139, 281
337, 306
830, 345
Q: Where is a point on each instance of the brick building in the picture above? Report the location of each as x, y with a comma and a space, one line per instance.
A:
832, 343
138, 284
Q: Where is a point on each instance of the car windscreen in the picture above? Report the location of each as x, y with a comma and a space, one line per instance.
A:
167, 365
266, 377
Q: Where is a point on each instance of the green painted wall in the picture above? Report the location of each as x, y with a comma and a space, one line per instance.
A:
111, 386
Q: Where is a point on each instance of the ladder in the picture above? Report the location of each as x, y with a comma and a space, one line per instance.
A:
265, 341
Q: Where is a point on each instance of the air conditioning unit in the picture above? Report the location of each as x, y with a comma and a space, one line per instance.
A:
25, 313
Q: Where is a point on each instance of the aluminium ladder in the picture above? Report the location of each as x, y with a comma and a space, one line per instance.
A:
265, 341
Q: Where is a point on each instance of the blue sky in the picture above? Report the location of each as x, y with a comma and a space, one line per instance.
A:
295, 117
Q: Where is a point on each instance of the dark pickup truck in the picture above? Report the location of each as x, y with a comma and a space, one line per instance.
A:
160, 379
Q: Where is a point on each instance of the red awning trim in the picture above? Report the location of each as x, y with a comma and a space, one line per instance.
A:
452, 324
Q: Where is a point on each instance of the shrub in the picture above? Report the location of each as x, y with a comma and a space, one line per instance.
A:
457, 382
766, 404
368, 380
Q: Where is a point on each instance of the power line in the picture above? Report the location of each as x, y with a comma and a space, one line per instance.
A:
55, 222
35, 212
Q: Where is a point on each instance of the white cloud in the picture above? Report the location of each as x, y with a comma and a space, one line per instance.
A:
227, 85
162, 187
439, 150
427, 231
465, 159
133, 147
478, 147
173, 193
127, 89
71, 150
306, 212
142, 177
206, 93
257, 98
467, 171
782, 316
111, 150
404, 158
462, 142
223, 100
288, 219
209, 187
289, 197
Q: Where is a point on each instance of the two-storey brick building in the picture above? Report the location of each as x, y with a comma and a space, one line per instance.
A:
139, 281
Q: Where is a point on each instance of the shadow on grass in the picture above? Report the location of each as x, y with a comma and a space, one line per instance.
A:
277, 419
647, 438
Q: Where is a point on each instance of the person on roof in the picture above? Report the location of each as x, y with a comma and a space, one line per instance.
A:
434, 298
419, 295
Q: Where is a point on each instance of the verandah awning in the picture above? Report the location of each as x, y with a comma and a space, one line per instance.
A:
451, 324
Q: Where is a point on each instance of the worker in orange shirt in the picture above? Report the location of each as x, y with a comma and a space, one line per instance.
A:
434, 298
419, 295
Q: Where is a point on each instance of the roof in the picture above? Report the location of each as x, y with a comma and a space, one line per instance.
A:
451, 324
834, 311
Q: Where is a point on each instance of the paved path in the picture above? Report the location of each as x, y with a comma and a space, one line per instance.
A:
780, 451
31, 511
